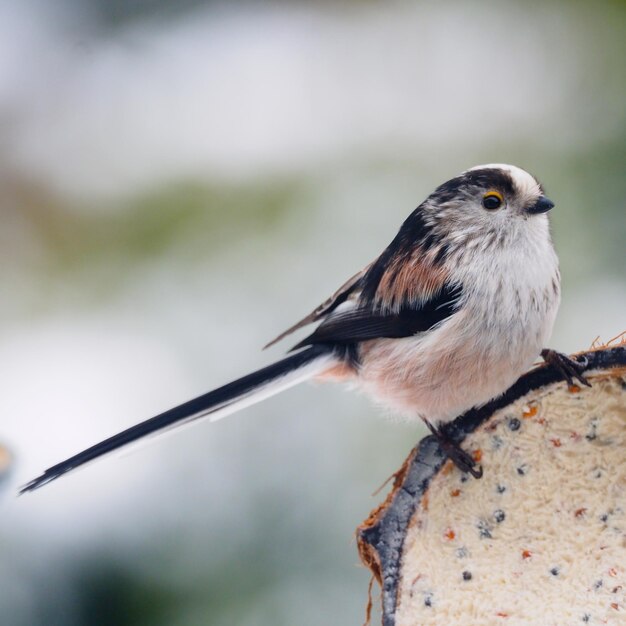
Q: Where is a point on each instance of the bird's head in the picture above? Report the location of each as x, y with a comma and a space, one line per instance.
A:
488, 204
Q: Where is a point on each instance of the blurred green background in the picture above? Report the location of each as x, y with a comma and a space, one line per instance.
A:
178, 183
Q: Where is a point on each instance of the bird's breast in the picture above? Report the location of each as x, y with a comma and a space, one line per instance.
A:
473, 356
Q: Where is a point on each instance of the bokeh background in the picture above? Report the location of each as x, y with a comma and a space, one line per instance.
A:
178, 183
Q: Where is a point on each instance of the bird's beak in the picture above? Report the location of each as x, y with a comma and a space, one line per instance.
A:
542, 205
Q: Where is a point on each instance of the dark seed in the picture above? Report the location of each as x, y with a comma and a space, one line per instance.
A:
521, 470
500, 488
467, 575
428, 600
554, 571
483, 530
593, 429
598, 584
499, 515
604, 517
514, 424
586, 617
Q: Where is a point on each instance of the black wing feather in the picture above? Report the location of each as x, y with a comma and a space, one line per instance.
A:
361, 324
328, 306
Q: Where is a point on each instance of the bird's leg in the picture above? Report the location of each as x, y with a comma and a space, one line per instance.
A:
569, 368
462, 459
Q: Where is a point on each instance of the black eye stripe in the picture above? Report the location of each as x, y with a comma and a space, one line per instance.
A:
473, 182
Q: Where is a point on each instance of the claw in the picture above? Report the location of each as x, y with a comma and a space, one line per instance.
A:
462, 459
476, 471
569, 368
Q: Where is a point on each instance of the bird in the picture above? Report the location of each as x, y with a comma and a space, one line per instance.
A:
457, 307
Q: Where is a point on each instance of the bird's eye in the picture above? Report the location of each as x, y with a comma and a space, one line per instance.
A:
492, 200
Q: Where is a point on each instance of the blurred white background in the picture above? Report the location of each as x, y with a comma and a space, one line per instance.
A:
179, 183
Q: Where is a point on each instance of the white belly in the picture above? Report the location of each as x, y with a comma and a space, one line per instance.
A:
474, 356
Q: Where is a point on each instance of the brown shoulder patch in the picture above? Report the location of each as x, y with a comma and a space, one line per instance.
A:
414, 277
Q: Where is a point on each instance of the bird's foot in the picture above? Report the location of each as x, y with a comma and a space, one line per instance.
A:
569, 368
462, 459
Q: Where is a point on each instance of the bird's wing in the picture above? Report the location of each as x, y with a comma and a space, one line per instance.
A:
362, 322
329, 305
408, 289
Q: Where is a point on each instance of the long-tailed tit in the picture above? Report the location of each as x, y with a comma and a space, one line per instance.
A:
454, 310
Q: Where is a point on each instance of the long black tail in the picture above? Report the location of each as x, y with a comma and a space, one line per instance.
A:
218, 403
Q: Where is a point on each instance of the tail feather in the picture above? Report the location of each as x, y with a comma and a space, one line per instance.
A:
218, 403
